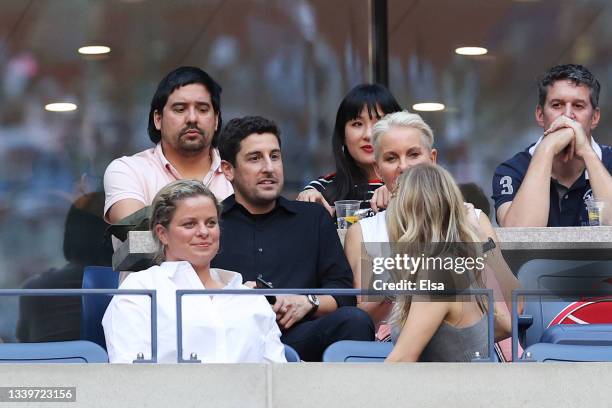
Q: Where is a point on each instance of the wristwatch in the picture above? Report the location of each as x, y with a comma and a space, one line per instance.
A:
314, 301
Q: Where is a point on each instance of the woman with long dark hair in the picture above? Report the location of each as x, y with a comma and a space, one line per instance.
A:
355, 177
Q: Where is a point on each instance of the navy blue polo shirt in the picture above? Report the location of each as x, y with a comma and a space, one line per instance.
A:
569, 210
296, 245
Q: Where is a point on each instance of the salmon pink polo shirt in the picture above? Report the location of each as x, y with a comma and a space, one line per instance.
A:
142, 175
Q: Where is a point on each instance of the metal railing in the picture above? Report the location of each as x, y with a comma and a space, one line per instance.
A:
259, 292
108, 292
333, 292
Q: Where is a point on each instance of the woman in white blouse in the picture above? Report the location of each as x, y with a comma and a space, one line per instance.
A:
220, 328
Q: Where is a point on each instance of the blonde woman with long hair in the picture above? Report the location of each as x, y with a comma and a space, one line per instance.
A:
401, 140
429, 208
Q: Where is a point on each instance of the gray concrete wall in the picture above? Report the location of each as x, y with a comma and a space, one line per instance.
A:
473, 385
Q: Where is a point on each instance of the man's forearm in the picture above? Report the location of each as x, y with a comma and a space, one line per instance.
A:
531, 204
122, 209
599, 178
327, 305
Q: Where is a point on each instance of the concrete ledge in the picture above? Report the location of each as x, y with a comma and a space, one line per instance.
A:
318, 385
441, 385
135, 253
550, 237
145, 385
518, 245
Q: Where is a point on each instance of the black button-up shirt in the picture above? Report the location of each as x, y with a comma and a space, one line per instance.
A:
293, 246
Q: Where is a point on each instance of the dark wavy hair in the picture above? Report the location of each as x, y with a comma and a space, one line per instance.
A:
239, 129
578, 74
351, 180
178, 78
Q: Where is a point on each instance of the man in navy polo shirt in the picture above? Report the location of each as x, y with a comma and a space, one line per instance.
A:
549, 183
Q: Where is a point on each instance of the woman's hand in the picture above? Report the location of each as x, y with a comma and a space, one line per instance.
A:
313, 196
380, 198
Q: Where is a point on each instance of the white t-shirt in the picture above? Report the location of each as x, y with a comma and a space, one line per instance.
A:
220, 329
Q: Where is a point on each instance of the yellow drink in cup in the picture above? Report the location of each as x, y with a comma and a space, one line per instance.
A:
351, 219
593, 217
595, 210
346, 213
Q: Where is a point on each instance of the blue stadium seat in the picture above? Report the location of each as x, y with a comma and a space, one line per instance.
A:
291, 355
547, 352
351, 351
546, 274
77, 351
579, 334
94, 306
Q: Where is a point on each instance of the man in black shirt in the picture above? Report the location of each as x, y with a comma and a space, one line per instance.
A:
291, 244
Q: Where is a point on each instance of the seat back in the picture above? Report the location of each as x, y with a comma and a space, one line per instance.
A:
291, 355
352, 351
547, 352
579, 334
94, 306
546, 274
76, 351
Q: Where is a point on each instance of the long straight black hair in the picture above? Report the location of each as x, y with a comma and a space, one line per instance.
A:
351, 180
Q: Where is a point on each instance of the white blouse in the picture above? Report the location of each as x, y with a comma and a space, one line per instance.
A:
219, 328
374, 229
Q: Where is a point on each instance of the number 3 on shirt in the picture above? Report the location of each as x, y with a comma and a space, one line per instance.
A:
506, 183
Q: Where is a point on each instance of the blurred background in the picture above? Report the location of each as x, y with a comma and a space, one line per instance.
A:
289, 60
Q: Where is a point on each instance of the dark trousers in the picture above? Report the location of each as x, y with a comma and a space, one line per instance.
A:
312, 337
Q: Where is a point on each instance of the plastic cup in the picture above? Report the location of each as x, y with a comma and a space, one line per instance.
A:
595, 210
346, 212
